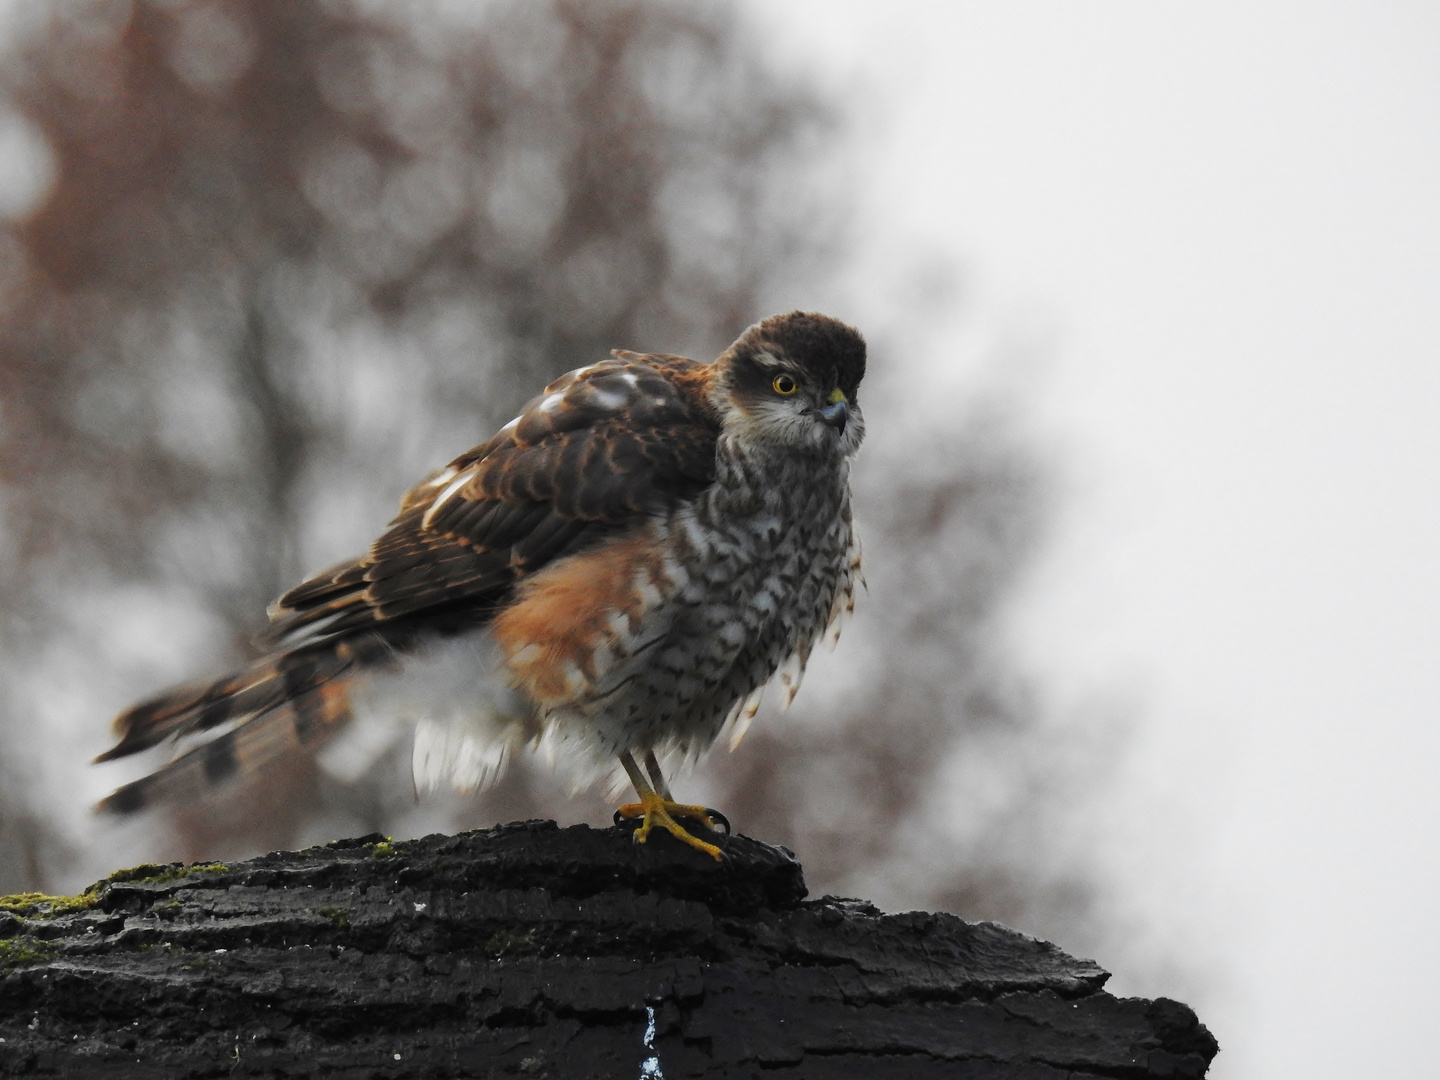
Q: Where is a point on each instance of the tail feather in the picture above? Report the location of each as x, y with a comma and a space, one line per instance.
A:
292, 701
152, 722
197, 707
301, 723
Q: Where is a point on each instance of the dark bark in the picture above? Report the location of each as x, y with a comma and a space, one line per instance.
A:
533, 951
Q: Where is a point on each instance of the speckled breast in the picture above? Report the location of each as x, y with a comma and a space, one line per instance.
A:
712, 601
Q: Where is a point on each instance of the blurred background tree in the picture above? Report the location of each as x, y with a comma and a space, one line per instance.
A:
295, 254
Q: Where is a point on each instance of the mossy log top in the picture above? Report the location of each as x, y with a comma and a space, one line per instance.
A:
534, 951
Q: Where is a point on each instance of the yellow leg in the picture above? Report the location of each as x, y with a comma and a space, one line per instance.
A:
657, 809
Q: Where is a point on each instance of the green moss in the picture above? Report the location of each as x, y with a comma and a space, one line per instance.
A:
501, 944
158, 874
34, 905
19, 952
339, 916
383, 849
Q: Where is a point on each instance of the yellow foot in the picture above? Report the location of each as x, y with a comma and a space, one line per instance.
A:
662, 812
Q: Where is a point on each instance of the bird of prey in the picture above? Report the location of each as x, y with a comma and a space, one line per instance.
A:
623, 568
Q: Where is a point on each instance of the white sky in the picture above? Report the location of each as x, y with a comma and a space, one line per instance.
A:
1226, 218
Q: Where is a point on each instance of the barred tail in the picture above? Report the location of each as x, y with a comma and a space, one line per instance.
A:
276, 706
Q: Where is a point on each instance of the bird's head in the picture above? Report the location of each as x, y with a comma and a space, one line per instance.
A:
791, 382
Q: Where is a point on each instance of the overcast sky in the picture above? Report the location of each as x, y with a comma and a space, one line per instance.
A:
1222, 222
1218, 225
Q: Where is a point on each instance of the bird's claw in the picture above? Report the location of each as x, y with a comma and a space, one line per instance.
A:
652, 810
717, 818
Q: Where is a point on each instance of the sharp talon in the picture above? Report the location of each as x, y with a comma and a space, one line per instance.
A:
653, 810
632, 814
717, 818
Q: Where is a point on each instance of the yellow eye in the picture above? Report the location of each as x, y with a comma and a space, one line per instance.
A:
784, 384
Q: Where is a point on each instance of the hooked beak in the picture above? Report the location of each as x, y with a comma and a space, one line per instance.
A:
837, 412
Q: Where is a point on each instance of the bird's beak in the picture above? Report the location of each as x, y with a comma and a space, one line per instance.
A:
837, 412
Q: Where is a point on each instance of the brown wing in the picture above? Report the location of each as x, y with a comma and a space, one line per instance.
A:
602, 448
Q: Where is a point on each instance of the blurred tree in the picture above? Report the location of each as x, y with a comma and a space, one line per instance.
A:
298, 252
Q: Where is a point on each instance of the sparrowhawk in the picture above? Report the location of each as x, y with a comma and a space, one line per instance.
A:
622, 568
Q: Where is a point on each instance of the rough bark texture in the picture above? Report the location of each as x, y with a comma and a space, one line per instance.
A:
534, 951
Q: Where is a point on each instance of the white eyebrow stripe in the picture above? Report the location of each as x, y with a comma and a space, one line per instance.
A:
773, 365
455, 485
770, 362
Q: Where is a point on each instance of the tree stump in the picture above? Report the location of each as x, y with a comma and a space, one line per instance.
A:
534, 951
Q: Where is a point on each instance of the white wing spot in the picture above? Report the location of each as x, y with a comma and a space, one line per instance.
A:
608, 399
455, 485
551, 403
